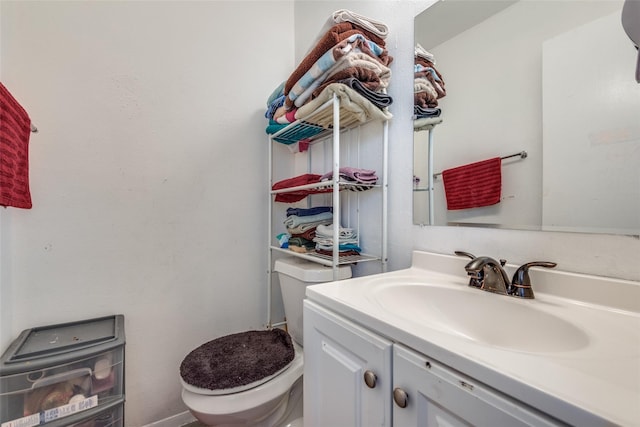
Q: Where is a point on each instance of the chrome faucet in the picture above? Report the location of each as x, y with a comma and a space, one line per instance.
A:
488, 274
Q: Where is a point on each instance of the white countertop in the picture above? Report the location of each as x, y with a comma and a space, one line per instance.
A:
595, 384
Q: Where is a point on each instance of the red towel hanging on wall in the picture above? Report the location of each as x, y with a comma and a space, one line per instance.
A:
15, 130
474, 185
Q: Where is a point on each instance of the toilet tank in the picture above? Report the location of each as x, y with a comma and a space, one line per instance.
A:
295, 275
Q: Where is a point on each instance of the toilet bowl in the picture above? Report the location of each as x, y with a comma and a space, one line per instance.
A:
276, 400
266, 405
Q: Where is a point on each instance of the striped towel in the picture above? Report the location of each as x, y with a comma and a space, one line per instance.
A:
473, 185
15, 130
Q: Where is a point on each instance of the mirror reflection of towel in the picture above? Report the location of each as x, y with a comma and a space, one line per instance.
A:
14, 145
474, 185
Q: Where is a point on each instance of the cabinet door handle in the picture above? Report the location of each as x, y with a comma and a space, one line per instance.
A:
370, 379
400, 397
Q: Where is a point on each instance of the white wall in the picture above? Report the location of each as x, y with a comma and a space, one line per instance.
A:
607, 255
592, 128
148, 175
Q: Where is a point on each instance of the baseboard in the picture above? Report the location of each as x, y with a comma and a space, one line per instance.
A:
174, 420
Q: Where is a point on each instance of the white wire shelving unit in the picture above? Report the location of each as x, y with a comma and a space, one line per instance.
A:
327, 124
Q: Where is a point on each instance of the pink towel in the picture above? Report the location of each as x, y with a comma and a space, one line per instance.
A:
473, 185
15, 130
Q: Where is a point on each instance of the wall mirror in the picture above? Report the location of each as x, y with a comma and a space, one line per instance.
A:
553, 79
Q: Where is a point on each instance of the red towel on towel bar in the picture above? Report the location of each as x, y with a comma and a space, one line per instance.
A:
473, 185
15, 130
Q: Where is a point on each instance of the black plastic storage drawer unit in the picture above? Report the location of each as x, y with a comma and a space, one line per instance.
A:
69, 374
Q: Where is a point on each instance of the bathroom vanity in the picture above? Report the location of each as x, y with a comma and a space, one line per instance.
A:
421, 347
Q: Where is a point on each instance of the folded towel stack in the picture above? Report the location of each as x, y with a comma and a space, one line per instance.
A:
428, 84
350, 51
301, 225
358, 179
347, 240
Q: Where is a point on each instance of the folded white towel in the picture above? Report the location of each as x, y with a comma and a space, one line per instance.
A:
376, 27
326, 231
343, 15
421, 52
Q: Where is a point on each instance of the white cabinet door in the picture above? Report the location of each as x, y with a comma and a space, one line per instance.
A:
338, 356
439, 396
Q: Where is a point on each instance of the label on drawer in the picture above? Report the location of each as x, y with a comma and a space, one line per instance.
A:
69, 409
52, 414
28, 421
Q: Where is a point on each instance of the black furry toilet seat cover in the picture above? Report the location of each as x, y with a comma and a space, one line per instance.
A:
237, 359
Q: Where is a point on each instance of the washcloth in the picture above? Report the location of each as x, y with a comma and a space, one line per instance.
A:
474, 185
15, 130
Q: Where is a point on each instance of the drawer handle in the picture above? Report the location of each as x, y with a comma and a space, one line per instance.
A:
370, 379
400, 397
63, 376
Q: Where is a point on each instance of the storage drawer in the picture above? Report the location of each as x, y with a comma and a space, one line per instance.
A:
112, 416
54, 386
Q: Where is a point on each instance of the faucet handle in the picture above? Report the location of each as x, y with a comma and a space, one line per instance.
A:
476, 280
467, 254
521, 283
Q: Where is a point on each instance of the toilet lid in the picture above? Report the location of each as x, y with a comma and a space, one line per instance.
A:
237, 362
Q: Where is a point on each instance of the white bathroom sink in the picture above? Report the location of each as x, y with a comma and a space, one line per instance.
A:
577, 342
487, 318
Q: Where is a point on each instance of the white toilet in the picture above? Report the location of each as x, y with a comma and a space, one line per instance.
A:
274, 401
